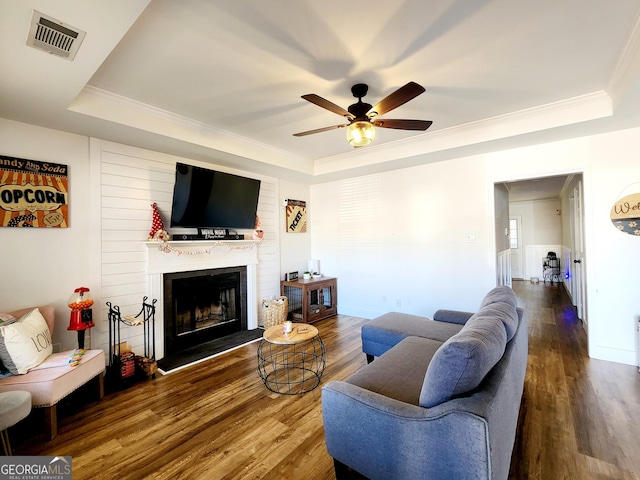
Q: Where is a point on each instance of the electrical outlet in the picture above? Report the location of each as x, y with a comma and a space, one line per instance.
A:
398, 303
470, 238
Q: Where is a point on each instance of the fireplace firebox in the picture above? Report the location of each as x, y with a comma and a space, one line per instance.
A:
203, 305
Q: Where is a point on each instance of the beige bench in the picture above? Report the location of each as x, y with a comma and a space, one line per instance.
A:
50, 382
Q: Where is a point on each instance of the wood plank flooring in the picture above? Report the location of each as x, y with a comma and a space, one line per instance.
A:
580, 418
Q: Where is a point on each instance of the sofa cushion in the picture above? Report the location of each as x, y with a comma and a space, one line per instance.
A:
506, 313
49, 384
26, 343
500, 294
463, 361
385, 331
398, 373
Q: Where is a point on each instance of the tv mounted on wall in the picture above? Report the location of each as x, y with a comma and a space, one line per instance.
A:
204, 198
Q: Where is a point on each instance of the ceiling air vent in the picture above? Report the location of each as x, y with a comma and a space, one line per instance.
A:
54, 37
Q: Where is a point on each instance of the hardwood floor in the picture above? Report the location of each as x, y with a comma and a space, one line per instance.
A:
580, 418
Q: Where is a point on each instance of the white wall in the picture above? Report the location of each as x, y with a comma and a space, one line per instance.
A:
540, 220
397, 240
295, 248
399, 237
125, 182
612, 259
395, 237
541, 232
42, 265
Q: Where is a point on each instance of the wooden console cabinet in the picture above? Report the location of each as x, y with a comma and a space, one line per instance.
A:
311, 300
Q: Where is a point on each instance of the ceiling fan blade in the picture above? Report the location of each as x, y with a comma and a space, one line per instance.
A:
401, 96
332, 107
318, 130
403, 124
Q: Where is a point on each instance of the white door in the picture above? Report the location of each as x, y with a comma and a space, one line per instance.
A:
578, 278
515, 242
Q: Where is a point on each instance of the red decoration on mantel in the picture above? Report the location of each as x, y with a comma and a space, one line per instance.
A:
157, 226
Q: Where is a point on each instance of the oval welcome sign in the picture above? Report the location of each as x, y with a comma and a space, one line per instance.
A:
625, 214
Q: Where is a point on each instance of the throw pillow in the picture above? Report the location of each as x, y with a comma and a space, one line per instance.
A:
462, 362
5, 319
25, 343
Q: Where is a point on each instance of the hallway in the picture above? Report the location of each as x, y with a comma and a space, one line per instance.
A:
580, 417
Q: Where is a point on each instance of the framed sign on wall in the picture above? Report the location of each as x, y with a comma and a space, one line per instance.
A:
296, 216
33, 193
625, 214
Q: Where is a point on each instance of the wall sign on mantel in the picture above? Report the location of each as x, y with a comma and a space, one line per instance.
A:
625, 214
296, 216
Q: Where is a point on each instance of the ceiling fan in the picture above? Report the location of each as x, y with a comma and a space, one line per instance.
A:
363, 117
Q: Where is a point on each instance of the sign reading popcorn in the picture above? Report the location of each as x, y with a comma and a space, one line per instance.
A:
33, 193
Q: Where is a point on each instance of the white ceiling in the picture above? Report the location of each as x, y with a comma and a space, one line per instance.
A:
536, 188
221, 81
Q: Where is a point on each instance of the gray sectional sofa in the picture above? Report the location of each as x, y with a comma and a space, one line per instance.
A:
440, 400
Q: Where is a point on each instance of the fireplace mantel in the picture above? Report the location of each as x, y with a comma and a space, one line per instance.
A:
181, 256
184, 256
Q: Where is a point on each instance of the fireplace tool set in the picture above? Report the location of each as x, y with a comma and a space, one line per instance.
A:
123, 363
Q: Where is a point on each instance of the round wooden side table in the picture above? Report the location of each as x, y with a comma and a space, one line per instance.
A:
291, 363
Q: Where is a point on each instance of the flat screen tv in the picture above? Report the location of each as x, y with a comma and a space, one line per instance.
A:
204, 198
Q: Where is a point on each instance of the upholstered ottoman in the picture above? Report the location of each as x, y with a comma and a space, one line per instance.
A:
385, 331
14, 406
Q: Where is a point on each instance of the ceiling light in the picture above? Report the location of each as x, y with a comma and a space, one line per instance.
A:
360, 133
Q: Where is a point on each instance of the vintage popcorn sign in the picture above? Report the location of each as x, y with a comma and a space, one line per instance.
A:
33, 193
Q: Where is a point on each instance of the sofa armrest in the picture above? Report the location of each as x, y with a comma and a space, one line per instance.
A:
366, 431
452, 316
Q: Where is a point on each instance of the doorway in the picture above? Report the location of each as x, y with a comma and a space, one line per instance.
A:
515, 244
557, 204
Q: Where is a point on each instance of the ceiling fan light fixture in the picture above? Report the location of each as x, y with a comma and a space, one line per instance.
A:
360, 133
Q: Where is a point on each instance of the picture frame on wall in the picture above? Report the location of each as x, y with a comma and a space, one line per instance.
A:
625, 214
296, 216
33, 193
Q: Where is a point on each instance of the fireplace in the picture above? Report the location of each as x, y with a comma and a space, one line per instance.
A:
189, 257
203, 305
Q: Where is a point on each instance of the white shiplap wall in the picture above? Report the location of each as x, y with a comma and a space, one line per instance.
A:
125, 181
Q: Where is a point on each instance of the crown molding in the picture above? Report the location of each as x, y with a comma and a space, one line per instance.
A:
106, 105
627, 68
544, 117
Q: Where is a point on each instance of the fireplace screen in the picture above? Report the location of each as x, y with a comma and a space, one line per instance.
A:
202, 306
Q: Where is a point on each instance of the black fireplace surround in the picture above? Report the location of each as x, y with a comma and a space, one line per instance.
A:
203, 305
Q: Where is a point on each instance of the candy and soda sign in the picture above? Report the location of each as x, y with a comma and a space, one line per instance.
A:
33, 193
